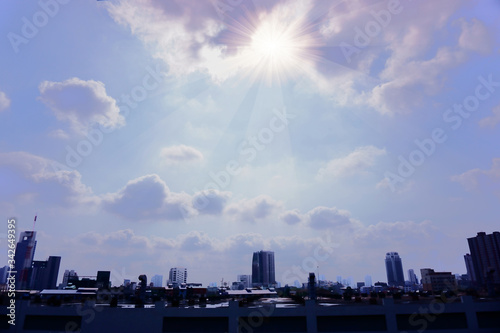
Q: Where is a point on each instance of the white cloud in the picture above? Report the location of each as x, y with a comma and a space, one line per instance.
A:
148, 198
492, 120
81, 103
412, 69
210, 202
4, 101
292, 217
325, 217
359, 160
250, 210
180, 154
49, 181
475, 37
472, 179
180, 33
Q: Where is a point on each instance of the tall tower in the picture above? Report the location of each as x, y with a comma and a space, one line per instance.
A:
25, 251
263, 271
394, 268
412, 277
485, 255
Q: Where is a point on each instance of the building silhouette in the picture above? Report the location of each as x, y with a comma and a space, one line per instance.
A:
44, 273
103, 279
485, 257
437, 281
471, 273
25, 251
263, 270
69, 276
394, 269
412, 277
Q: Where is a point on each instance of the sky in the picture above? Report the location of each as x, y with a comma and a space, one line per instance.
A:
150, 134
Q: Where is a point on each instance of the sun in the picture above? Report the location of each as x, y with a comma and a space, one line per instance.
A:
276, 46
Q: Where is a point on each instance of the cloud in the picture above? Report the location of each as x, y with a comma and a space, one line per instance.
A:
4, 101
180, 33
210, 202
324, 218
148, 198
47, 180
472, 179
194, 36
358, 161
492, 120
475, 37
412, 68
292, 217
385, 184
58, 134
180, 154
80, 103
250, 210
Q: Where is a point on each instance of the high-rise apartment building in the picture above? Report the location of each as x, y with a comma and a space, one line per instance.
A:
485, 257
394, 269
25, 251
263, 270
177, 275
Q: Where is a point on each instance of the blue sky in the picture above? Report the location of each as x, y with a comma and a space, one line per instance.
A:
149, 135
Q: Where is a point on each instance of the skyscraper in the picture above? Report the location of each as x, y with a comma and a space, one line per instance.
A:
412, 277
263, 273
394, 268
177, 275
471, 273
25, 251
44, 273
485, 255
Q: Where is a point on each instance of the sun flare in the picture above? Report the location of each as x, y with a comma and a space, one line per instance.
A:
276, 46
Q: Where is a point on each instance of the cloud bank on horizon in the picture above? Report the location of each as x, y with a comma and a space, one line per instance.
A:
154, 134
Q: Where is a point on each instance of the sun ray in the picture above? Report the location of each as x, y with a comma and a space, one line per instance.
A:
274, 46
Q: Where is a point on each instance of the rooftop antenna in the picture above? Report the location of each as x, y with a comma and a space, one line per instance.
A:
34, 221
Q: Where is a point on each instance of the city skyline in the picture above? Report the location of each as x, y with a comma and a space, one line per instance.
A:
186, 134
45, 274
